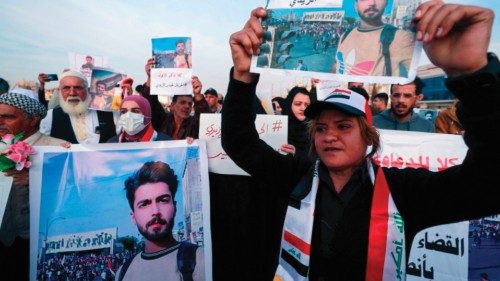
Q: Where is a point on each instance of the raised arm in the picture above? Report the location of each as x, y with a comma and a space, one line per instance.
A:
456, 38
240, 139
246, 43
158, 112
42, 78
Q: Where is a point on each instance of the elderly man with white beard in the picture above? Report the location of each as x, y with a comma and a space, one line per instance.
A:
74, 121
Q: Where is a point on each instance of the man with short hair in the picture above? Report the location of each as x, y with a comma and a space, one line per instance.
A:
400, 115
73, 121
379, 102
151, 197
179, 123
212, 99
19, 114
374, 48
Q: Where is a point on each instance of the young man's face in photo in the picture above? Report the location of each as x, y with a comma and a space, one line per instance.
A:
180, 48
154, 211
369, 10
101, 89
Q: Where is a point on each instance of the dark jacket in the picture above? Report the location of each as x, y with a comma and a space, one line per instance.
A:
245, 215
423, 198
164, 121
62, 128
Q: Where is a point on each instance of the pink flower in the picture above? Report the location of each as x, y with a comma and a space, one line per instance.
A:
14, 153
5, 141
20, 153
7, 138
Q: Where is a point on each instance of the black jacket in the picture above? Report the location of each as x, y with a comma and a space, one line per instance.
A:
424, 198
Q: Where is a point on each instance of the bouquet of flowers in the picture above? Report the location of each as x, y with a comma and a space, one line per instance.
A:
14, 153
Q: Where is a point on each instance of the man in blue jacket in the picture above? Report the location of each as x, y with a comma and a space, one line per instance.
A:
400, 115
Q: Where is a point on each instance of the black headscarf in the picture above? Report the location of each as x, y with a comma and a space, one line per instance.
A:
298, 134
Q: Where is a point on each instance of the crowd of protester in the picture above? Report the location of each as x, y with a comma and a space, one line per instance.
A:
64, 115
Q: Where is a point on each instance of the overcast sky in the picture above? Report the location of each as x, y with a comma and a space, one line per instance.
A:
36, 36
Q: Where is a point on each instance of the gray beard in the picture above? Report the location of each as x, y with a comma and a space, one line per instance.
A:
75, 110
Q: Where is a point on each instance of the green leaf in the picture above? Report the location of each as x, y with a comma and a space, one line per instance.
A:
18, 137
6, 164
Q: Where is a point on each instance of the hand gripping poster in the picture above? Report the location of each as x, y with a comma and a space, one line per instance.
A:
131, 211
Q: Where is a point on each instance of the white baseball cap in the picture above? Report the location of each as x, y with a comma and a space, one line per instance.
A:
344, 100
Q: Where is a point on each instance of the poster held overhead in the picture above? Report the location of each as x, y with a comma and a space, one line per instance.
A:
340, 40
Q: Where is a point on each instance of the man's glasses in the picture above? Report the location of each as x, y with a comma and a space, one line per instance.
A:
67, 89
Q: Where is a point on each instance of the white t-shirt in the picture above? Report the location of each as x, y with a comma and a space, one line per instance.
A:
161, 266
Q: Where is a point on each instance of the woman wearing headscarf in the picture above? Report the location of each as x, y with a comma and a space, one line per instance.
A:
135, 122
293, 106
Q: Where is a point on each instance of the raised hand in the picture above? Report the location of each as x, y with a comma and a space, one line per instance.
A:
455, 37
246, 43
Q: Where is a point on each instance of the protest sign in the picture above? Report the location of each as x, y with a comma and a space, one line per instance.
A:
172, 72
80, 209
330, 39
273, 129
443, 252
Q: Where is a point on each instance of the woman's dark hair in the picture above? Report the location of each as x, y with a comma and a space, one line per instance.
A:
279, 100
286, 106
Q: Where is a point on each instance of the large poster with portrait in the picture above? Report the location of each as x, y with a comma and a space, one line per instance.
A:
342, 40
137, 209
